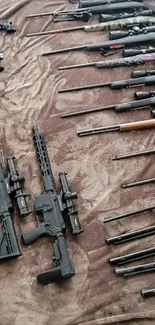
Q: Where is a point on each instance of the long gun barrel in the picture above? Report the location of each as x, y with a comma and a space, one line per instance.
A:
135, 270
129, 214
141, 125
122, 62
143, 182
132, 235
109, 45
135, 256
134, 154
136, 30
101, 26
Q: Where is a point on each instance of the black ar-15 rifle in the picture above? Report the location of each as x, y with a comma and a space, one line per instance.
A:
10, 187
54, 210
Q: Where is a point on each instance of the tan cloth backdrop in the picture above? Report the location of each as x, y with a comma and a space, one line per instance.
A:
29, 95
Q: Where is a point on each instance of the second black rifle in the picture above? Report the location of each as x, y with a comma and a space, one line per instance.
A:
118, 108
120, 84
109, 45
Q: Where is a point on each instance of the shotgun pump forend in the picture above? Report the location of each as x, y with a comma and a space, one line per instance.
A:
55, 210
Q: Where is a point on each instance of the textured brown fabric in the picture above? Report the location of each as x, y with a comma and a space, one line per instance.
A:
28, 95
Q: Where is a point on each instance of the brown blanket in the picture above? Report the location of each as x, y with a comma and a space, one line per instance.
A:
29, 95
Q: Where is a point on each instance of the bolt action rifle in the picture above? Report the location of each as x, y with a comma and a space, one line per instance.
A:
122, 62
118, 108
109, 45
107, 8
111, 25
54, 210
120, 84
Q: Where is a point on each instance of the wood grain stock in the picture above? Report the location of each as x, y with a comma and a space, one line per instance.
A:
137, 125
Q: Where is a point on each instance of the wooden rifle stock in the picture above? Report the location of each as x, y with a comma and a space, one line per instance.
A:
137, 125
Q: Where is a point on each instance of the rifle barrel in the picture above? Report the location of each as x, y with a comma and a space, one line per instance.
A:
140, 233
134, 256
135, 270
125, 215
143, 182
134, 154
